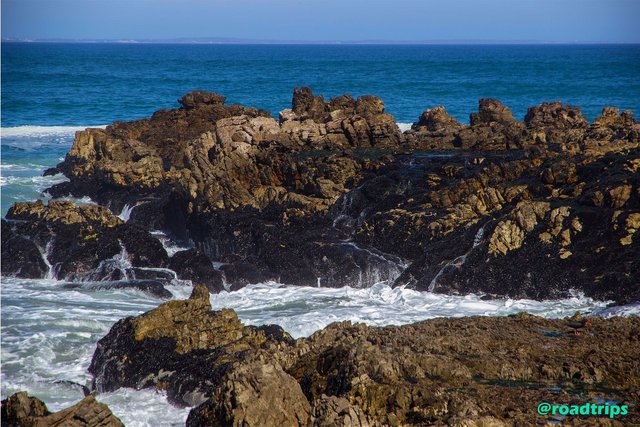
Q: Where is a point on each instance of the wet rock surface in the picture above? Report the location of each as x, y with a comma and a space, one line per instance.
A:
333, 194
22, 410
466, 371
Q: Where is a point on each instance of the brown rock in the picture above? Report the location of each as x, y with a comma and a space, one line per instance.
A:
22, 410
256, 394
200, 97
435, 120
555, 114
492, 110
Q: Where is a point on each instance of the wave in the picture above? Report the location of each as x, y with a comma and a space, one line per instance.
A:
34, 130
404, 126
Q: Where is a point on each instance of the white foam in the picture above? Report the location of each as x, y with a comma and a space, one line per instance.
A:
404, 126
49, 333
303, 310
31, 130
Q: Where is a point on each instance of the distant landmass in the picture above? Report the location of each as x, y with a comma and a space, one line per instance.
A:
230, 40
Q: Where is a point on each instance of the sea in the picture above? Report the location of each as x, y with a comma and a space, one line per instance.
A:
49, 91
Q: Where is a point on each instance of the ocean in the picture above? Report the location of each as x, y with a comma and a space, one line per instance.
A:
51, 90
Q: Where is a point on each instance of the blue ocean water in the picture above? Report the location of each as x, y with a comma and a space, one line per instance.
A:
50, 90
78, 84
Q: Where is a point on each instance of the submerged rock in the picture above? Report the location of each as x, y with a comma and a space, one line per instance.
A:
22, 410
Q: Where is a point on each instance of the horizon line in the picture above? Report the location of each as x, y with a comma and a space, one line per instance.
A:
241, 41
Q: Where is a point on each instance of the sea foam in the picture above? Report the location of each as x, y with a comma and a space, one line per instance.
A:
40, 131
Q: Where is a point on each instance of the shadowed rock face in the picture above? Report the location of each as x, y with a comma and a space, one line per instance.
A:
466, 371
21, 410
333, 194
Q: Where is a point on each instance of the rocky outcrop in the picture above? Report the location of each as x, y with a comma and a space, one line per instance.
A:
181, 347
95, 250
21, 410
76, 240
333, 194
465, 371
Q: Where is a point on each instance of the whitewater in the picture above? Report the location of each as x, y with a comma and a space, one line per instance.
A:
49, 332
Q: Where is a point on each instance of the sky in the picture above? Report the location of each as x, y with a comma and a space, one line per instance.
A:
329, 20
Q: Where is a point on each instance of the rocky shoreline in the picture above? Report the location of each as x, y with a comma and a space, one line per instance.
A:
473, 371
334, 194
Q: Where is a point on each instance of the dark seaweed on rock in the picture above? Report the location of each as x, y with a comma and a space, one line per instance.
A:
333, 194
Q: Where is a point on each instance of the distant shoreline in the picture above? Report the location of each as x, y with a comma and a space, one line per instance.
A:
230, 41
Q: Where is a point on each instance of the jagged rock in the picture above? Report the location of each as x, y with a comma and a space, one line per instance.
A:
77, 239
193, 265
275, 200
436, 119
332, 411
555, 114
492, 110
22, 410
181, 347
357, 375
257, 393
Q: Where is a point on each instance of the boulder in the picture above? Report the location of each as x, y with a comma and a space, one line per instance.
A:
22, 410
193, 265
181, 347
492, 110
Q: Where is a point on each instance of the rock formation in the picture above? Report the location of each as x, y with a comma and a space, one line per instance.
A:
467, 371
21, 410
332, 194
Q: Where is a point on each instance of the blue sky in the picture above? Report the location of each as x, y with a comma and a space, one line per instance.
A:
306, 20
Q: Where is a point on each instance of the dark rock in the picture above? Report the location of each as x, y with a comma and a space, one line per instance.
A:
79, 239
240, 274
280, 200
193, 265
200, 97
153, 287
21, 256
